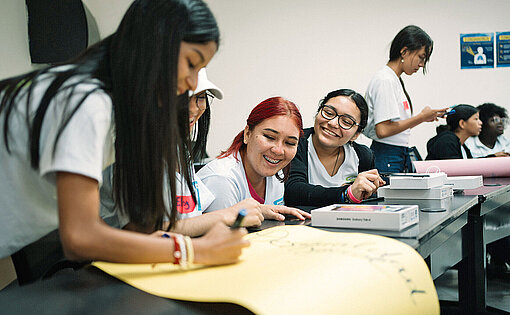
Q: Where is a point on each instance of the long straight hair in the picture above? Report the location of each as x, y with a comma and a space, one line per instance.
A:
137, 66
414, 38
199, 135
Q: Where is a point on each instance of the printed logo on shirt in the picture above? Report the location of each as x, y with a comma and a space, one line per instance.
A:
185, 204
197, 192
278, 201
350, 179
406, 105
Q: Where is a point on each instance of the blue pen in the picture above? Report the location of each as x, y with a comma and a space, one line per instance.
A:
450, 112
239, 219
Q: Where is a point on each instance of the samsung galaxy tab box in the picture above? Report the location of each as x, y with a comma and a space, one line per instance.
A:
374, 217
440, 192
465, 182
417, 180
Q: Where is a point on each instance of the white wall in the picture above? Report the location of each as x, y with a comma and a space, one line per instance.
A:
303, 49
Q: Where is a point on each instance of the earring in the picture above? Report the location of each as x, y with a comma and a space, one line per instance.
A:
402, 60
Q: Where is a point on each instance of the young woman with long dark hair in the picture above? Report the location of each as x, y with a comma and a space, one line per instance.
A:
390, 108
190, 217
124, 100
462, 122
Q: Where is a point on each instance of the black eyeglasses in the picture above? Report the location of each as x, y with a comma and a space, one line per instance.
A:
204, 100
345, 122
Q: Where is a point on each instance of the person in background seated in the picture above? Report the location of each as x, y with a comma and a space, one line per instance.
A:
256, 164
391, 115
190, 220
490, 142
329, 166
449, 142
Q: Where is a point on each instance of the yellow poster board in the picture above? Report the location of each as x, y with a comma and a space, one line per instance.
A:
301, 270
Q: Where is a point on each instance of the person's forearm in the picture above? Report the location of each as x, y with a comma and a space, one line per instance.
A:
390, 128
199, 225
99, 241
304, 194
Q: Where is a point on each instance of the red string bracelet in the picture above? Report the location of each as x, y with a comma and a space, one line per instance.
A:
351, 195
177, 251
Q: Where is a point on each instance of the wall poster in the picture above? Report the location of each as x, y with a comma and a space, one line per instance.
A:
477, 50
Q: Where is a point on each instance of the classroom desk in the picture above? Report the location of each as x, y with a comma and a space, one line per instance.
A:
437, 235
488, 221
89, 290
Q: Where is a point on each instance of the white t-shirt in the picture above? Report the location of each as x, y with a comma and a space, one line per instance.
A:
387, 101
318, 175
28, 197
226, 179
186, 207
478, 149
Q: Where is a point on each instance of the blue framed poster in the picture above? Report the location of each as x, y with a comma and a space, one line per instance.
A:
477, 50
503, 49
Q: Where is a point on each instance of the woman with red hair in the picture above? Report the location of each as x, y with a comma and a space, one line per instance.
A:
257, 163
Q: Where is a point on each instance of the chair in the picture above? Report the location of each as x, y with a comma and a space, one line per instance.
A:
41, 259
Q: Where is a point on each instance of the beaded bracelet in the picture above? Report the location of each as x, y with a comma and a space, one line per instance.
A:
190, 250
183, 262
345, 197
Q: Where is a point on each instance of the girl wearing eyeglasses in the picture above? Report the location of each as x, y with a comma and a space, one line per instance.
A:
255, 166
462, 123
491, 142
390, 109
329, 166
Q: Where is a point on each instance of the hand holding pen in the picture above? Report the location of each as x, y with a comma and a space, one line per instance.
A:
449, 111
239, 219
428, 114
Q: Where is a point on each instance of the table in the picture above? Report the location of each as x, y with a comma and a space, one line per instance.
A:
89, 290
488, 221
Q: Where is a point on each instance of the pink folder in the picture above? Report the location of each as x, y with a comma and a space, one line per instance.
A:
487, 167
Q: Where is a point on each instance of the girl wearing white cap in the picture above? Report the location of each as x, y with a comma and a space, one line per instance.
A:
189, 211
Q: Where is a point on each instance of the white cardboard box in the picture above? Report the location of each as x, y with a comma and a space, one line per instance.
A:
417, 180
465, 182
375, 217
441, 192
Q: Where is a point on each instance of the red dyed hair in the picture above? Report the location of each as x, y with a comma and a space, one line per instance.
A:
274, 106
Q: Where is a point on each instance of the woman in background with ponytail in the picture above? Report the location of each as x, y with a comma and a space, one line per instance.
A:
390, 109
463, 122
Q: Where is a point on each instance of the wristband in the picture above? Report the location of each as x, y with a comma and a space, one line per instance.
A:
190, 250
351, 196
183, 262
